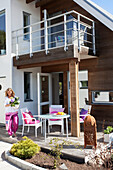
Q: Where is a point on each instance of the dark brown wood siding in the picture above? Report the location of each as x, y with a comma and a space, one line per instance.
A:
100, 71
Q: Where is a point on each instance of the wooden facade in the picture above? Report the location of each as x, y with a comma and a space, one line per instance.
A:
100, 69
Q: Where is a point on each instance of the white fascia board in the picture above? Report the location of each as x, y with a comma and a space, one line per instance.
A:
96, 12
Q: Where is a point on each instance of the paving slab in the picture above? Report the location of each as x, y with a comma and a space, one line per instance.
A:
5, 165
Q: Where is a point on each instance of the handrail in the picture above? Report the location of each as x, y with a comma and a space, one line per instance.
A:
68, 31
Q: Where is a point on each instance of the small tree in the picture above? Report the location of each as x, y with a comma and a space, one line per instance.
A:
56, 148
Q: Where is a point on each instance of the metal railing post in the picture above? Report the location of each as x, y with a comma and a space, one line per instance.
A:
94, 48
65, 33
45, 31
17, 56
78, 32
31, 54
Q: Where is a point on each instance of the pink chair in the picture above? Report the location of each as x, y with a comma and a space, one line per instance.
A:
52, 110
30, 120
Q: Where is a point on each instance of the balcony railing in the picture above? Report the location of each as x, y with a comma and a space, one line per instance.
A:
63, 30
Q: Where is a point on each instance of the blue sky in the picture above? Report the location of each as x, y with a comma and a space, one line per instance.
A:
105, 4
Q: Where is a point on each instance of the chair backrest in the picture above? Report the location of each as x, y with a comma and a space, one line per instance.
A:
25, 109
88, 107
59, 40
26, 114
55, 108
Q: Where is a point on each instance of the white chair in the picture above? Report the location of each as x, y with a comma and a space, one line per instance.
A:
88, 108
30, 120
56, 108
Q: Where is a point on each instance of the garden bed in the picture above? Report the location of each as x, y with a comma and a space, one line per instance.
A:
44, 160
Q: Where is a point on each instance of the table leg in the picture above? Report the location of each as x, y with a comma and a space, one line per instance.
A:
63, 126
67, 126
45, 130
48, 127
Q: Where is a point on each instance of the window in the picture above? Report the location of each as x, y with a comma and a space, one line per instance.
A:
27, 86
83, 84
105, 97
2, 33
0, 87
26, 22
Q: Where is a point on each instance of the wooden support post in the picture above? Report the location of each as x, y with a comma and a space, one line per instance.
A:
74, 92
65, 91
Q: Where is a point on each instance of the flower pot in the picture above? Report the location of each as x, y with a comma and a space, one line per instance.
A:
3, 51
106, 138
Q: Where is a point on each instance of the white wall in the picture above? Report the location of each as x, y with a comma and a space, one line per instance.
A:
14, 20
5, 60
18, 87
18, 7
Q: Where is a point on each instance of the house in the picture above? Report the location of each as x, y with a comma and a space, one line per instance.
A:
44, 46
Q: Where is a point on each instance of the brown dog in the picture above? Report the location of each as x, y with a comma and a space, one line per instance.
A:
90, 131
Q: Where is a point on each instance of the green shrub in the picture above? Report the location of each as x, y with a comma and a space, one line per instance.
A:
25, 148
108, 130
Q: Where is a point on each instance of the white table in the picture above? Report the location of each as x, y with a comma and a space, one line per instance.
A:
50, 116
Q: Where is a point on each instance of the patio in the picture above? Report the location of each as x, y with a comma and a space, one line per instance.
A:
76, 154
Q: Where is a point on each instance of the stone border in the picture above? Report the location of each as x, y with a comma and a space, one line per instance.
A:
21, 163
78, 158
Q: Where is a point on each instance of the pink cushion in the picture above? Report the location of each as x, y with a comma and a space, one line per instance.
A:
83, 112
33, 122
55, 110
29, 117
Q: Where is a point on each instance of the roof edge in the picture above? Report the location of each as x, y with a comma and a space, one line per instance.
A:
96, 11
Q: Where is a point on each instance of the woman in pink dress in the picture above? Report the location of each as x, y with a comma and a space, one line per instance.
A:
11, 113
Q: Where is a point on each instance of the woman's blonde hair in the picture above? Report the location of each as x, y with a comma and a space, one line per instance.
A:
9, 89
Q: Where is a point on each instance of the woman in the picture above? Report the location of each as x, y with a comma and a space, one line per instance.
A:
11, 114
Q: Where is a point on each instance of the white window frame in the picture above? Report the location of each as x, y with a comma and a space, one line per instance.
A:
100, 102
4, 12
24, 37
31, 87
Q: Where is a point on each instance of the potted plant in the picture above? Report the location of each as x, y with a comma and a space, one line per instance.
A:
107, 133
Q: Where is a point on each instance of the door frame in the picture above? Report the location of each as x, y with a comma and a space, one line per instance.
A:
49, 102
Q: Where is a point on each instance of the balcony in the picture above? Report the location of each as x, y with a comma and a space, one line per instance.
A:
64, 30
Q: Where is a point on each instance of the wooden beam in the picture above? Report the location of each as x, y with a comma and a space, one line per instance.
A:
74, 92
51, 63
29, 1
55, 68
42, 2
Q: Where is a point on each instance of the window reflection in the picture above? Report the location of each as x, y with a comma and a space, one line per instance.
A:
2, 33
27, 84
26, 22
102, 96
